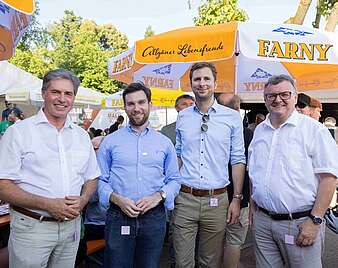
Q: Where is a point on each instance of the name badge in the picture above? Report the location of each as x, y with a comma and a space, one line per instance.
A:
125, 230
213, 202
289, 239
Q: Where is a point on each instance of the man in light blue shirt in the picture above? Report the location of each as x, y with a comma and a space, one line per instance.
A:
140, 177
208, 135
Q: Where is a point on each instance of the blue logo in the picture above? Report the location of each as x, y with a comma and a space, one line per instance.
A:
163, 70
260, 74
4, 8
289, 31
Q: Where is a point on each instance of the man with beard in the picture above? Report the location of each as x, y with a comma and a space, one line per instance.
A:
139, 180
293, 170
208, 135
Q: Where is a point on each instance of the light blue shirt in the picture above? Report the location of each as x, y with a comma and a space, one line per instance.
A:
136, 165
205, 155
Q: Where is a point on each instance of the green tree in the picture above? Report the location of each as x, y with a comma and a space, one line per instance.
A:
78, 45
219, 11
149, 32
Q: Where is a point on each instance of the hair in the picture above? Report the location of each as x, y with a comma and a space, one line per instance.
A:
200, 65
17, 113
276, 79
60, 74
120, 119
234, 103
183, 97
134, 87
314, 103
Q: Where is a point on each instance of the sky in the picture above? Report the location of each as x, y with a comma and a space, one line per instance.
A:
133, 16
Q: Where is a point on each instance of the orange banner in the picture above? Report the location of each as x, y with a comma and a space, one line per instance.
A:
204, 43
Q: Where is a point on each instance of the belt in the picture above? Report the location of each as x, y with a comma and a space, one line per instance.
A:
32, 214
202, 192
285, 217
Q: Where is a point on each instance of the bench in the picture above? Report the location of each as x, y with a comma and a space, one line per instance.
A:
94, 246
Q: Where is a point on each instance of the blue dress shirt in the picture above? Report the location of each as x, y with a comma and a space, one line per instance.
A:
205, 155
95, 213
136, 165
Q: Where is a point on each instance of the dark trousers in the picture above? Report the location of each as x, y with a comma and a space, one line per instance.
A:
141, 247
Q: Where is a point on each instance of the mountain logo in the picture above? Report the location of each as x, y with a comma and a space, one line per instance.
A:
289, 31
163, 70
260, 74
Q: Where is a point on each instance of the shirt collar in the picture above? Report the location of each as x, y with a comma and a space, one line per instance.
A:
292, 120
215, 107
144, 132
41, 118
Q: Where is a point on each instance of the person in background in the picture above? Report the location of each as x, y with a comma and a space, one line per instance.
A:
9, 108
235, 234
292, 164
208, 136
91, 132
181, 103
303, 103
48, 172
259, 118
5, 124
140, 178
315, 108
119, 121
15, 116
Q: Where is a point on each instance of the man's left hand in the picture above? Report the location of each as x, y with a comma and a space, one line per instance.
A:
76, 202
307, 233
149, 202
234, 211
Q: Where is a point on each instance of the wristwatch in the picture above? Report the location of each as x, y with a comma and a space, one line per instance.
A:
238, 196
163, 195
315, 219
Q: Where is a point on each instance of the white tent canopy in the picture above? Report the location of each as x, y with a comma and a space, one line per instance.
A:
22, 87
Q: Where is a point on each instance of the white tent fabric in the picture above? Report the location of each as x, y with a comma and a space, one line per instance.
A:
13, 77
22, 87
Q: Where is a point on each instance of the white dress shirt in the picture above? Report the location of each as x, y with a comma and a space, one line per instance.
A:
45, 161
284, 163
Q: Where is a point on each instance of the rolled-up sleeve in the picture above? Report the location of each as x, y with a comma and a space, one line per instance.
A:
237, 151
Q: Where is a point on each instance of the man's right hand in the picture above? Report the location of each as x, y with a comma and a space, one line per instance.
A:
58, 209
127, 205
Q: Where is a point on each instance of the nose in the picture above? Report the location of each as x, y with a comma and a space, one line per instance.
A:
62, 97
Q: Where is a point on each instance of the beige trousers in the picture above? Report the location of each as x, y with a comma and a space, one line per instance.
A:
35, 244
194, 214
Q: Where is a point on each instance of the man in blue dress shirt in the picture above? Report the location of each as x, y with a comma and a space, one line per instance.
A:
140, 178
208, 135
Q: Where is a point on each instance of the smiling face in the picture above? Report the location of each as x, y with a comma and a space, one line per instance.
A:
59, 98
137, 108
203, 84
280, 100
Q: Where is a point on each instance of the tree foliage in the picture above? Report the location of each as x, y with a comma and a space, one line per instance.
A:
219, 11
78, 45
149, 32
326, 7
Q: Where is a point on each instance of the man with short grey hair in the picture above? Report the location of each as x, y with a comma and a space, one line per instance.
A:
47, 175
293, 170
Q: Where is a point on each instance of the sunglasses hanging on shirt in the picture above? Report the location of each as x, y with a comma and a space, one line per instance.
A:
205, 119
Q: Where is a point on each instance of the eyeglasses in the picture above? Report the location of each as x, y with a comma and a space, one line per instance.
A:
286, 95
205, 119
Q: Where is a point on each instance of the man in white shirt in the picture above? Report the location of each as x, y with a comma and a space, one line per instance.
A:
293, 170
48, 173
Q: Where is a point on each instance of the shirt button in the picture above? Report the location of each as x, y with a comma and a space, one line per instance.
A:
202, 152
201, 164
202, 139
201, 177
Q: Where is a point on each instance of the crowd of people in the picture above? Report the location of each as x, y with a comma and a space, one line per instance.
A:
205, 177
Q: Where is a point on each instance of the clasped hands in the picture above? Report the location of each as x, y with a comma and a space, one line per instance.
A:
67, 208
134, 209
